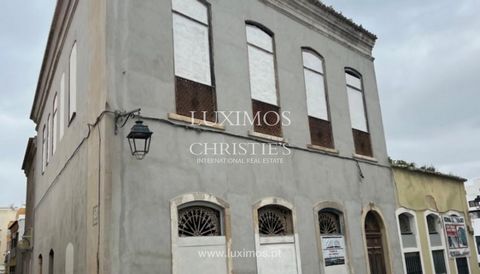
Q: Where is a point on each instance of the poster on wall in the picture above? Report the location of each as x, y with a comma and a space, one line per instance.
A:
333, 250
456, 232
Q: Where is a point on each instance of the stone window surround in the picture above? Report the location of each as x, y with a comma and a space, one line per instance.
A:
415, 231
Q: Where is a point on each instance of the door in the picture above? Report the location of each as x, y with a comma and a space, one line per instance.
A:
375, 244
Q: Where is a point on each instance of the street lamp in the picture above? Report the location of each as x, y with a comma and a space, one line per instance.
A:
140, 136
139, 139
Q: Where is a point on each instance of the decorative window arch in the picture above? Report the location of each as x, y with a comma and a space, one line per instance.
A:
331, 231
410, 241
376, 240
358, 112
275, 233
317, 99
436, 242
200, 221
263, 80
194, 77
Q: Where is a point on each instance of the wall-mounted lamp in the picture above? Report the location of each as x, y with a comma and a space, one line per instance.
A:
140, 136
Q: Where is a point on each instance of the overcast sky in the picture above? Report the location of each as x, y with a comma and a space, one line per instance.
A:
427, 65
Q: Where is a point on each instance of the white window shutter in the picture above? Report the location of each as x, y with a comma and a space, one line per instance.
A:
262, 76
316, 98
357, 109
73, 82
62, 103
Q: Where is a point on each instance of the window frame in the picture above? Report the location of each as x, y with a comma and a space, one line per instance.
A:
212, 85
54, 123
72, 113
442, 237
415, 231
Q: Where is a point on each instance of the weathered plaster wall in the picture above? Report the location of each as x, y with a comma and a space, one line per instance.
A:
141, 74
413, 189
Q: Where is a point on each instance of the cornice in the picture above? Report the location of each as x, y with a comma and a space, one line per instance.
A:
29, 154
328, 22
62, 18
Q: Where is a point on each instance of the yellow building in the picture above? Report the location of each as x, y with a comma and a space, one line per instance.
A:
433, 223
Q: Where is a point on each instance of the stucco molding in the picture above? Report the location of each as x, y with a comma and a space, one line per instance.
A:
328, 22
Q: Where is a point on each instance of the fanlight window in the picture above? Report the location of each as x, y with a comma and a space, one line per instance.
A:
329, 222
199, 221
432, 221
274, 220
404, 221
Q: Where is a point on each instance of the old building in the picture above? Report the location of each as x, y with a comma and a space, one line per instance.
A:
7, 215
13, 254
473, 199
268, 152
433, 222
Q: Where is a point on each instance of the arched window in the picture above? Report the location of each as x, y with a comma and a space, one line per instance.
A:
275, 220
333, 249
200, 223
317, 106
436, 243
55, 123
404, 222
275, 234
72, 84
51, 262
62, 107
263, 82
410, 242
329, 222
69, 259
40, 264
199, 220
358, 114
194, 87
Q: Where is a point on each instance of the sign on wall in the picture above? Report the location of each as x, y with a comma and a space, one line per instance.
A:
456, 232
333, 250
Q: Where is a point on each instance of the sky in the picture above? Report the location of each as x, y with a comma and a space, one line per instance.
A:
427, 61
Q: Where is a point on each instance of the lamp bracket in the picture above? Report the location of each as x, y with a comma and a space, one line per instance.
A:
122, 117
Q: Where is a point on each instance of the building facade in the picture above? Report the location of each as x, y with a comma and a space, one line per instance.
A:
435, 231
7, 215
14, 255
267, 138
473, 199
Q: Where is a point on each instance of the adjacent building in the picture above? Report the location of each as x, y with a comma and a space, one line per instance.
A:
268, 152
14, 256
7, 215
435, 231
473, 199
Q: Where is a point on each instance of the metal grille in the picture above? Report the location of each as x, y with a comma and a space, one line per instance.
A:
267, 118
413, 263
362, 142
193, 96
439, 262
320, 132
197, 221
329, 223
275, 221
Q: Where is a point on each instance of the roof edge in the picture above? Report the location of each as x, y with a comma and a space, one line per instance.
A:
427, 172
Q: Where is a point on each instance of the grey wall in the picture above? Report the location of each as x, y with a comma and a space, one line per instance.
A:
141, 74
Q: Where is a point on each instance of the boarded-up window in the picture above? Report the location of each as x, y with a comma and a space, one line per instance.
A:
44, 147
276, 235
191, 36
62, 106
200, 229
55, 123
49, 137
72, 83
358, 116
261, 59
317, 107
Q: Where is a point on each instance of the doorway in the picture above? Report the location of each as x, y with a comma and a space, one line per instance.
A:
375, 243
